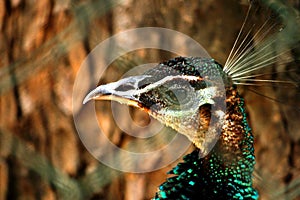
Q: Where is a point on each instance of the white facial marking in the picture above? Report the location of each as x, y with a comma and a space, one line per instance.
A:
166, 79
220, 114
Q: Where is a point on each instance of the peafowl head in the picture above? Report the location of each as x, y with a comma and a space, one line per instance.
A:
186, 94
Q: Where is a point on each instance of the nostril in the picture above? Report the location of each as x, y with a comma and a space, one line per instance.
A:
125, 87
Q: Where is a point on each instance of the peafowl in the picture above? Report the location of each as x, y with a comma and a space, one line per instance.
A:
186, 94
226, 171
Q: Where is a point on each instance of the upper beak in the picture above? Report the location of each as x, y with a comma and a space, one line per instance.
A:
124, 91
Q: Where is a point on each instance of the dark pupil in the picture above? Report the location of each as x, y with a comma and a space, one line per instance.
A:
176, 96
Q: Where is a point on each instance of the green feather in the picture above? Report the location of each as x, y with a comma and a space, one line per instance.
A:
206, 178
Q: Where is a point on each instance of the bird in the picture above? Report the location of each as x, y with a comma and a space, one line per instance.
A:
199, 98
176, 94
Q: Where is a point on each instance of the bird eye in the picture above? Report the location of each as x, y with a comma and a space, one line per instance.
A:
177, 96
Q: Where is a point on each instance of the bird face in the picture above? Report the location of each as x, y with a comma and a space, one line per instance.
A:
179, 93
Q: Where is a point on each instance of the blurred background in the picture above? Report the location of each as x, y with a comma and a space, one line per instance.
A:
42, 45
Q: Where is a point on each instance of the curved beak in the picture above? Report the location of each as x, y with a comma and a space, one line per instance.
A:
124, 91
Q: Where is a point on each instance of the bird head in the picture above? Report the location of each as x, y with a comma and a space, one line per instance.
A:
180, 93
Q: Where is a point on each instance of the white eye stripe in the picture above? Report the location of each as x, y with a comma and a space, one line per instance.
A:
166, 79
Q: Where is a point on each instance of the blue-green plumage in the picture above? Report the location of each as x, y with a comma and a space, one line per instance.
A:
212, 177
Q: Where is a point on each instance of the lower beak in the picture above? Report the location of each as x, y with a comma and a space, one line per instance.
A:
96, 95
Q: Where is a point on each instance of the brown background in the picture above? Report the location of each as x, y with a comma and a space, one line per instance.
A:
42, 45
